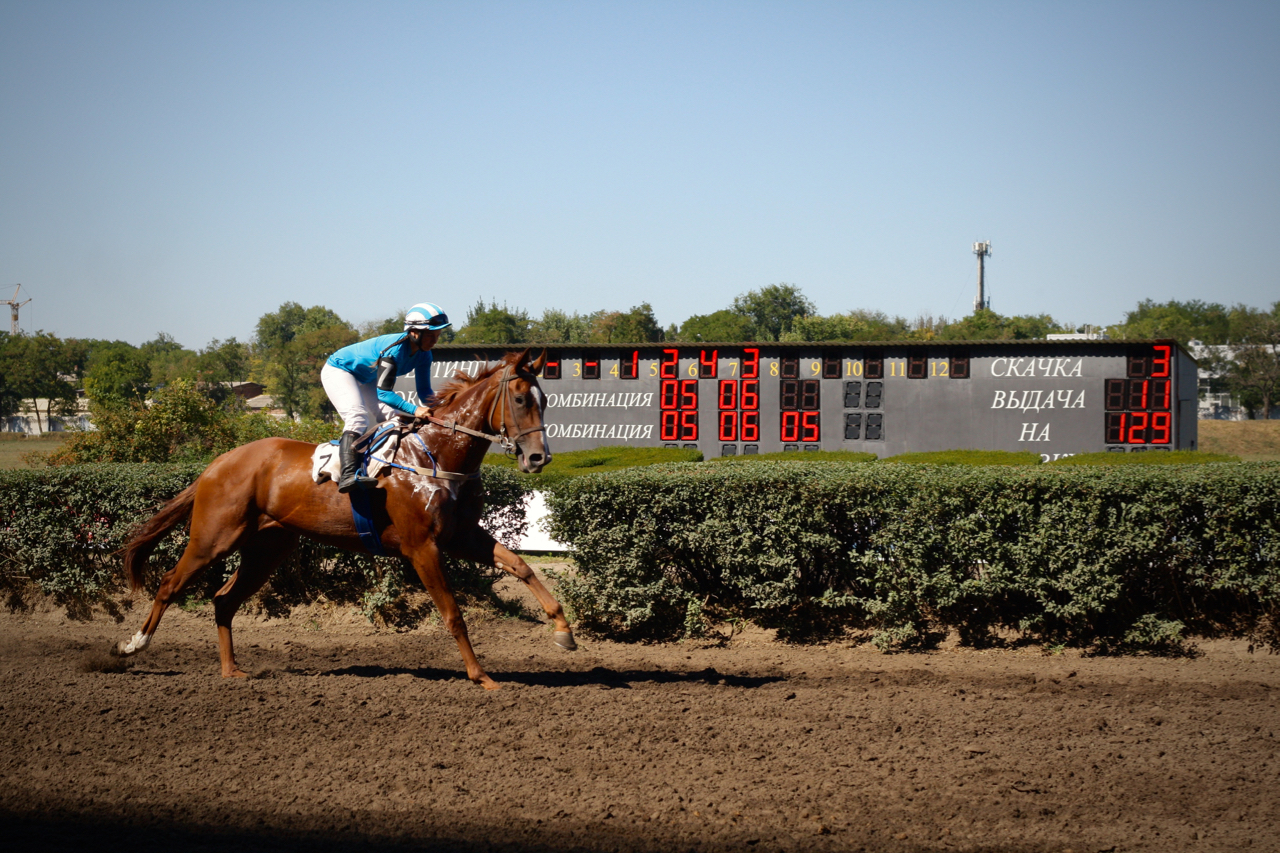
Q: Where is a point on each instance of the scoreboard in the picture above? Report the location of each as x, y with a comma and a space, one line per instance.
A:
1056, 398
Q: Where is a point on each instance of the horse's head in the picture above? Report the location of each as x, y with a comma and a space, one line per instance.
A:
516, 413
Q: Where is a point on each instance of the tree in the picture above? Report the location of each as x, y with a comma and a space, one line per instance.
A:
1195, 319
561, 327
723, 326
494, 325
116, 370
858, 325
986, 325
290, 348
10, 396
1253, 372
293, 374
41, 367
773, 309
168, 360
633, 327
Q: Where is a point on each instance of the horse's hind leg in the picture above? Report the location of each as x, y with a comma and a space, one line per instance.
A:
475, 543
208, 542
259, 557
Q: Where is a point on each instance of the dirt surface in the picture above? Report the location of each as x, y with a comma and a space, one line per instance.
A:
351, 739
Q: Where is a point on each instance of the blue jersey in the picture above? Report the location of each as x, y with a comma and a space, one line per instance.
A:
361, 361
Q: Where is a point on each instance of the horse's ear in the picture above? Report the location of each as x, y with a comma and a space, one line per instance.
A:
536, 367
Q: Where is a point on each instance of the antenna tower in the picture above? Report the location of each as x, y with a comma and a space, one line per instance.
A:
14, 305
983, 251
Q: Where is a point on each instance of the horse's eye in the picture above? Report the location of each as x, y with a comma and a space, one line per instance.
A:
519, 399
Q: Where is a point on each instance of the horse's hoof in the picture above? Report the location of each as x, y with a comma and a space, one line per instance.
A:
564, 639
132, 646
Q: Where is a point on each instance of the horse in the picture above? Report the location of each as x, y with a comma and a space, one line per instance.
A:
259, 498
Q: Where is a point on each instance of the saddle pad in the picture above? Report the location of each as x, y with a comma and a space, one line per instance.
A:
327, 465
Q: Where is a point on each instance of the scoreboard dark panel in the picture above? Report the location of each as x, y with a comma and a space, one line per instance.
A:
1052, 397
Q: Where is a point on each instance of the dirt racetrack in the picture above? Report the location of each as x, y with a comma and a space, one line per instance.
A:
349, 739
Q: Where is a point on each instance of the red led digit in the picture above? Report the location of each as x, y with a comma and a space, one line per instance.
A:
1160, 393
631, 368
688, 393
688, 426
670, 389
809, 421
707, 364
1161, 427
1137, 428
790, 426
670, 361
728, 425
728, 394
1115, 427
750, 363
750, 426
750, 393
670, 426
1160, 363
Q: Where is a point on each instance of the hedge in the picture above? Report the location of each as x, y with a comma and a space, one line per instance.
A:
61, 529
1108, 558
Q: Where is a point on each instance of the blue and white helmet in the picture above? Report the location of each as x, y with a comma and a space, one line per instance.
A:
425, 315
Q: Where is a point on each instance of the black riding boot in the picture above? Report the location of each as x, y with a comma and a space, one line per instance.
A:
350, 462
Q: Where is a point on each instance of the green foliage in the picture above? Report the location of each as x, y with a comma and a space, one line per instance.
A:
773, 309
853, 326
34, 367
636, 326
494, 325
1171, 457
723, 326
986, 325
1195, 319
560, 327
1101, 558
181, 424
61, 530
967, 457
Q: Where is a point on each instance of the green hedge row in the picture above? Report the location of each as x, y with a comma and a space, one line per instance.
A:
1088, 556
61, 529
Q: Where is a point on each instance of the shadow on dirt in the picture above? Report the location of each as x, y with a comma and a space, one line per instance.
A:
599, 676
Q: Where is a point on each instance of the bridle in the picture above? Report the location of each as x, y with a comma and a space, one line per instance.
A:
509, 443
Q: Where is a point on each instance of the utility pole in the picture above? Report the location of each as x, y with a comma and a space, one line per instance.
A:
983, 251
14, 305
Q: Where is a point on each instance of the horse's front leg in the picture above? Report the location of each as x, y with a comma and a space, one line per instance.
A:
426, 562
475, 543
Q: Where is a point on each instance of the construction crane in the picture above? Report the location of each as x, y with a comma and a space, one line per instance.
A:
14, 305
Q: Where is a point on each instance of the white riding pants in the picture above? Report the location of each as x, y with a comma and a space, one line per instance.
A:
357, 404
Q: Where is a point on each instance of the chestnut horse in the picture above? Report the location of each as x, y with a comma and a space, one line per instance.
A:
259, 498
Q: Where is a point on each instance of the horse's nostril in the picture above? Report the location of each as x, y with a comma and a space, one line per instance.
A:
535, 458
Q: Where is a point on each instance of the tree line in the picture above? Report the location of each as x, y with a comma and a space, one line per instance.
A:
290, 345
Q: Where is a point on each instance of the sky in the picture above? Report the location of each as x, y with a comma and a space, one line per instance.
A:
186, 167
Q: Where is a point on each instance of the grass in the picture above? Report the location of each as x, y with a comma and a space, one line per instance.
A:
1252, 441
15, 445
574, 463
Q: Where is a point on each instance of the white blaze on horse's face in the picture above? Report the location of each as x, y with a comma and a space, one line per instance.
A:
531, 448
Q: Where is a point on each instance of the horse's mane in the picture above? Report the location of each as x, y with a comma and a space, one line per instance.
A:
462, 382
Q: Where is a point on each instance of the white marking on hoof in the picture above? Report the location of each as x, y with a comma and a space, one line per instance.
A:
139, 642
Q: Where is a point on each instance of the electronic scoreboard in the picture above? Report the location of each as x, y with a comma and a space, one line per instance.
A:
1055, 398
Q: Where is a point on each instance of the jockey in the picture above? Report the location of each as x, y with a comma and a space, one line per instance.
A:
360, 379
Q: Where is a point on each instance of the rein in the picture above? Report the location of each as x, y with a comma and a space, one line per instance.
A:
507, 441
503, 437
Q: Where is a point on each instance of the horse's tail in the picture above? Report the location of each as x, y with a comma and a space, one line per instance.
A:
142, 541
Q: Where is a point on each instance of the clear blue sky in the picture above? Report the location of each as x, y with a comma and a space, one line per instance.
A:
187, 167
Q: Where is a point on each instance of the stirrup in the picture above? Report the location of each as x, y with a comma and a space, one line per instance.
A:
357, 482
